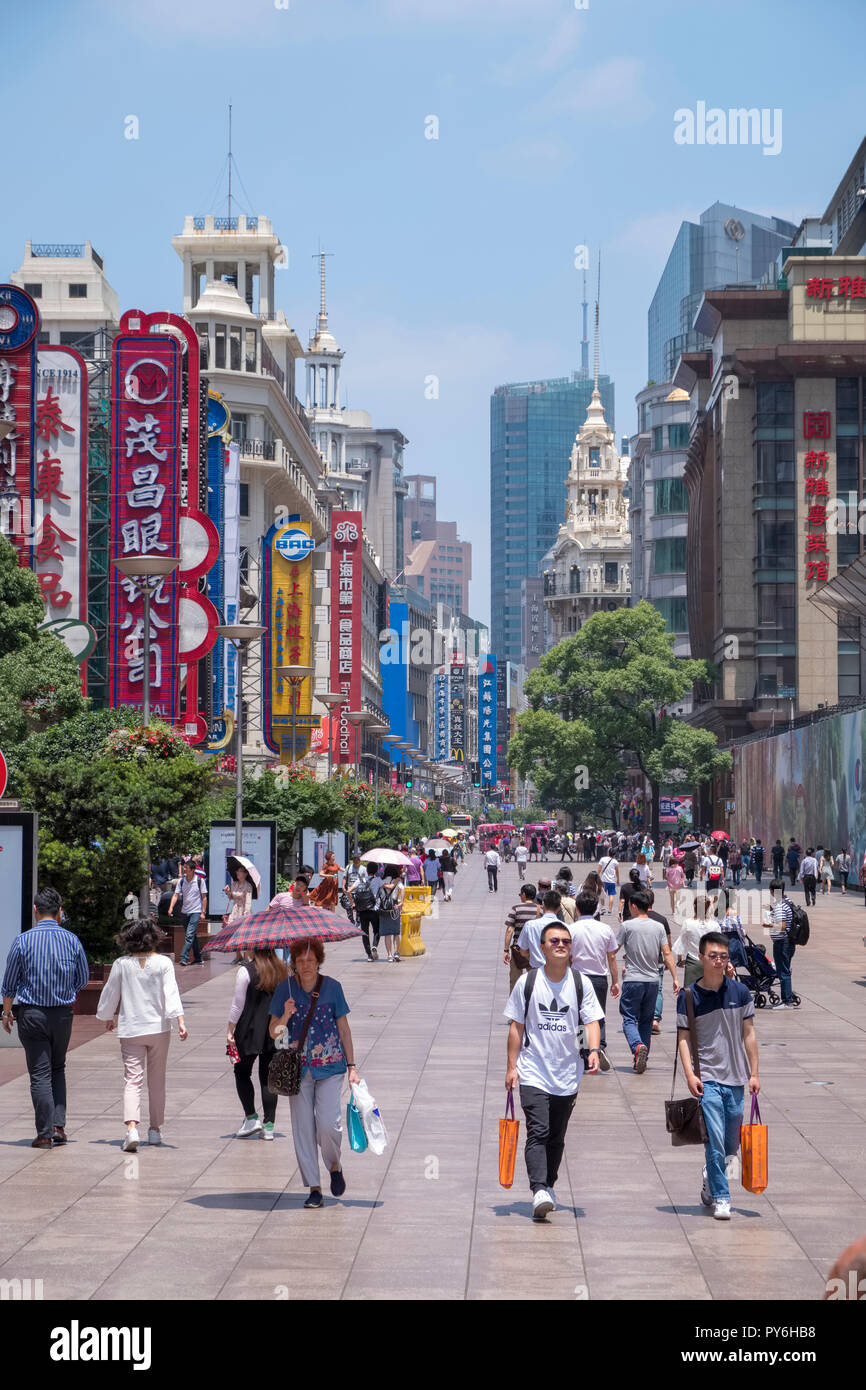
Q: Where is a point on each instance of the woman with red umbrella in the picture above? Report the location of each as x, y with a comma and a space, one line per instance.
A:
313, 1008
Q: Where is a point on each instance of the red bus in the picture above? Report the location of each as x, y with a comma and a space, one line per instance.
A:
488, 832
545, 828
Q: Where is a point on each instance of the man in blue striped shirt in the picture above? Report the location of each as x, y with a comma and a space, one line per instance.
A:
45, 970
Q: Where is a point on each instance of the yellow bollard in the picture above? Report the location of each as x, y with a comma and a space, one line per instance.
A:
416, 904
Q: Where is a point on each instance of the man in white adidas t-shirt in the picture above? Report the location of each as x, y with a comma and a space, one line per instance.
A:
544, 1057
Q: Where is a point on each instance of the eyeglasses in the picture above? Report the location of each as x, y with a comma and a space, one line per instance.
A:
716, 955
559, 941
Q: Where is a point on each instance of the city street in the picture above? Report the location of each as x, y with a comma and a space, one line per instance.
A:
214, 1217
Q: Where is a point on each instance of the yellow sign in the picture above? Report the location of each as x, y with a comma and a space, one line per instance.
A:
288, 592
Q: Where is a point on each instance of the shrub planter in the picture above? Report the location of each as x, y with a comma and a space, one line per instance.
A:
88, 1000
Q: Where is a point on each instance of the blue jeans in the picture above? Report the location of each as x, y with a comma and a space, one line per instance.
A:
736, 875
723, 1115
636, 1005
190, 921
657, 1014
783, 952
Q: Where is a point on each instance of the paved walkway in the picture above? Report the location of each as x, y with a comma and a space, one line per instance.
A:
210, 1216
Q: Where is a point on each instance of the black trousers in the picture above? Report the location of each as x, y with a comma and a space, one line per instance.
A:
493, 878
547, 1120
367, 919
45, 1034
246, 1091
599, 984
809, 884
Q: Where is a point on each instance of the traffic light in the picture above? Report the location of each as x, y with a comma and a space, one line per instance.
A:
408, 782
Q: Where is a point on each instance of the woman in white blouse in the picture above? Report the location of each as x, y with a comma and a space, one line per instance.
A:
687, 944
142, 983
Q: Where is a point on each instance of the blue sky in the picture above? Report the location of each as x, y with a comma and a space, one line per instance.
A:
451, 257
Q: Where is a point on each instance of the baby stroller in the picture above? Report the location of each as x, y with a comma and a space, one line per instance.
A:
759, 975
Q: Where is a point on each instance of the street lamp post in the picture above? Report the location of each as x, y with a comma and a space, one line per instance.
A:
358, 717
295, 675
378, 731
240, 635
141, 570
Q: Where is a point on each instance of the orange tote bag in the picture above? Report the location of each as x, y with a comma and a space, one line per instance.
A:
509, 1129
753, 1152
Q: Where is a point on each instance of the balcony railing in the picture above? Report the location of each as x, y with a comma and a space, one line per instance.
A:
275, 451
225, 224
259, 449
61, 250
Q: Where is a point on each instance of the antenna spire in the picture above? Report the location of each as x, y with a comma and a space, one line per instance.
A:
584, 342
230, 162
598, 297
323, 309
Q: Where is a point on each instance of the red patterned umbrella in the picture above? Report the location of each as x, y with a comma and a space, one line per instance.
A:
280, 926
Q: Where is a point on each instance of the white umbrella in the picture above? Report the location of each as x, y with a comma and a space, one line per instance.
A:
386, 856
437, 844
236, 861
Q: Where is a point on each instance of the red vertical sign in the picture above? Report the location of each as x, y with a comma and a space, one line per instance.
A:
145, 515
19, 324
347, 564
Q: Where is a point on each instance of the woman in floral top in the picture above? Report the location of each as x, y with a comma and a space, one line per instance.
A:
327, 1057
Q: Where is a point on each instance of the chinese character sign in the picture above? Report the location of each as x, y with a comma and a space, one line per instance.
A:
458, 709
817, 424
60, 483
487, 706
346, 580
19, 324
287, 574
441, 717
145, 512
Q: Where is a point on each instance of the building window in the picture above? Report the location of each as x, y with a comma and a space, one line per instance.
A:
669, 495
669, 555
678, 436
611, 572
595, 458
235, 349
250, 350
775, 543
775, 468
777, 677
244, 503
675, 613
77, 291
35, 291
240, 425
848, 669
658, 439
574, 580
201, 330
220, 346
774, 405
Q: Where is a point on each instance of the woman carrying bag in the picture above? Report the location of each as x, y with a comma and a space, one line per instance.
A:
142, 983
389, 904
311, 1008
249, 1034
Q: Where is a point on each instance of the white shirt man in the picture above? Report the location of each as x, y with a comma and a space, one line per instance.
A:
521, 854
544, 1057
493, 862
593, 951
713, 870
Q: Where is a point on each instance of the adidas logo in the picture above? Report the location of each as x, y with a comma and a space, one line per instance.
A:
554, 1011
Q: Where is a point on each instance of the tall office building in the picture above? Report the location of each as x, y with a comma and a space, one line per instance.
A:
729, 246
658, 515
532, 429
438, 563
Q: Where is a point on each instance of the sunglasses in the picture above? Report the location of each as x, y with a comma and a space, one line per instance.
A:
559, 941
714, 955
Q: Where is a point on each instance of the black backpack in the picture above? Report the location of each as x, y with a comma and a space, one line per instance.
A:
529, 986
798, 932
364, 897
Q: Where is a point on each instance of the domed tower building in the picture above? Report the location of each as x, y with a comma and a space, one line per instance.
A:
589, 568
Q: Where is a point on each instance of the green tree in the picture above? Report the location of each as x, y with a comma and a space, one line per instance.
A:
609, 685
21, 606
107, 793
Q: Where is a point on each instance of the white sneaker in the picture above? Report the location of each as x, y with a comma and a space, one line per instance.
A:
132, 1140
251, 1125
552, 1195
706, 1194
268, 1132
542, 1203
778, 1005
722, 1210
154, 1137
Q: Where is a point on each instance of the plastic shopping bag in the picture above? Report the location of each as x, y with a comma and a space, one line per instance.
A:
753, 1152
355, 1128
509, 1130
371, 1119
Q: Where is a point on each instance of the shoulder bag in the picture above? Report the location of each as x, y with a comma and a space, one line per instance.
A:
284, 1072
684, 1119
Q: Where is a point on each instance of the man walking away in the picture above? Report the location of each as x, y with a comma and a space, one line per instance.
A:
758, 860
643, 943
521, 913
492, 862
809, 874
521, 854
778, 859
542, 844
593, 952
192, 891
364, 893
781, 916
843, 868
529, 940
546, 1009
792, 855
724, 1014
608, 869
45, 970
432, 873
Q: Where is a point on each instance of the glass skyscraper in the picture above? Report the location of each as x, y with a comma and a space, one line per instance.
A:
728, 247
532, 430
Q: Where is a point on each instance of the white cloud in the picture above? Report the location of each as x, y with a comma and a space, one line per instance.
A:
612, 92
467, 13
